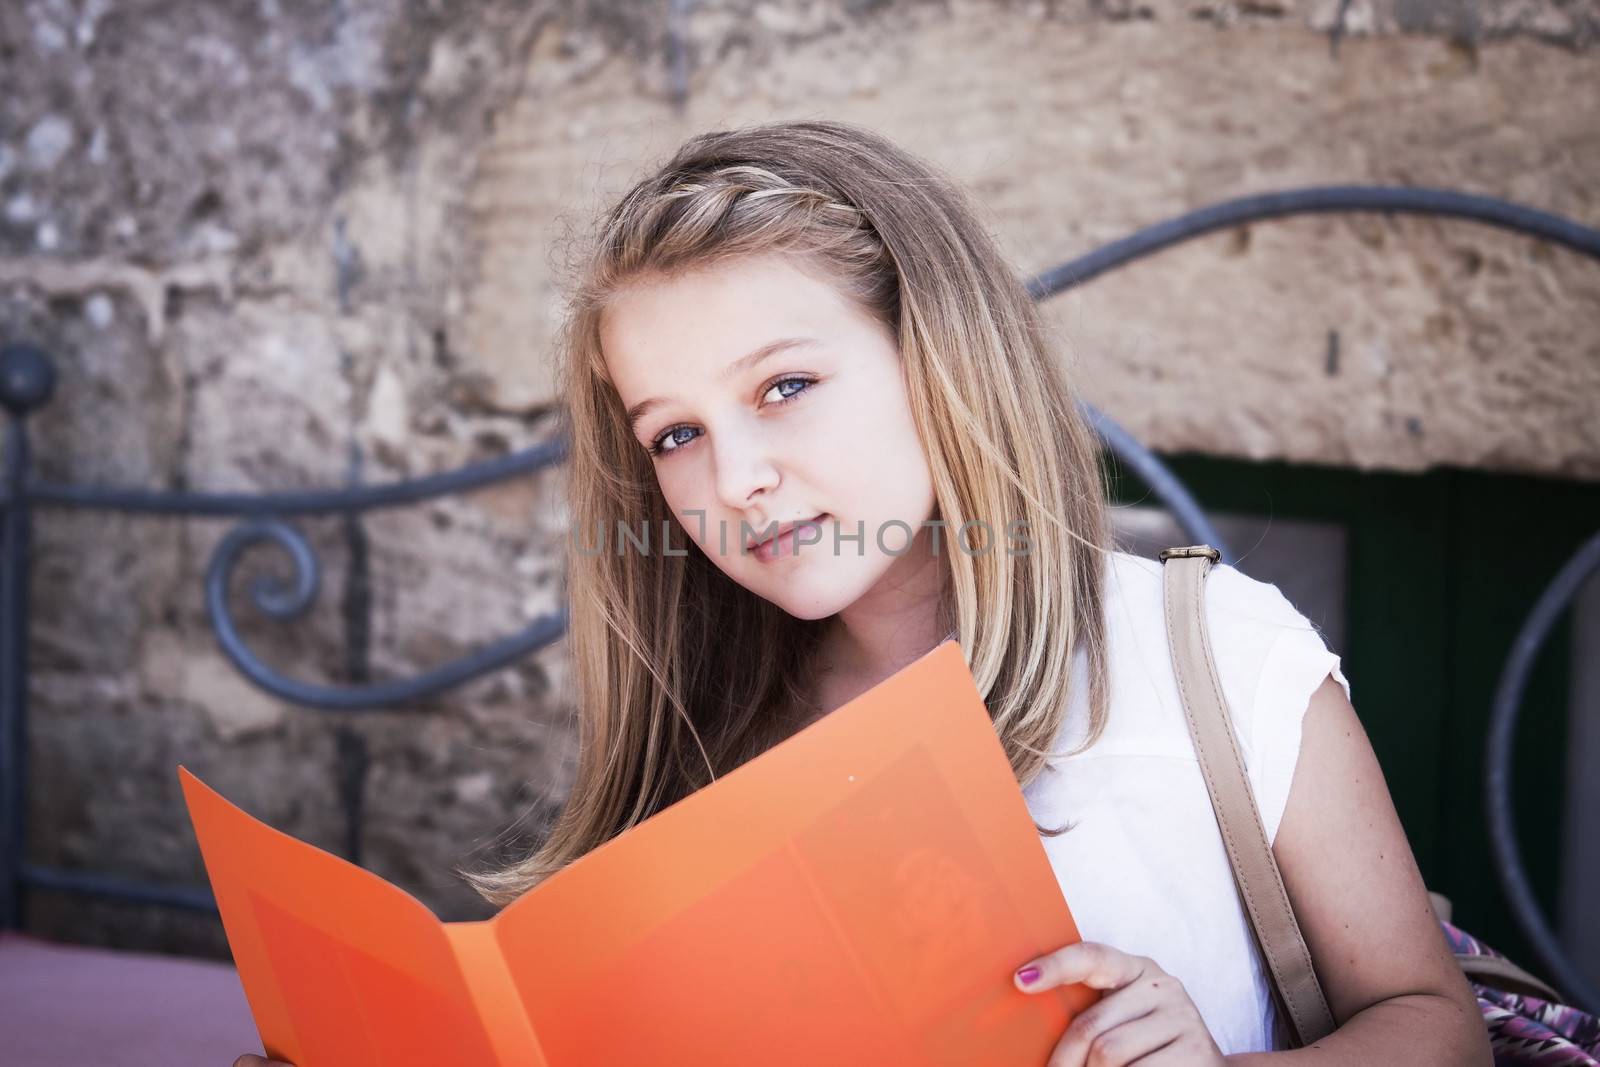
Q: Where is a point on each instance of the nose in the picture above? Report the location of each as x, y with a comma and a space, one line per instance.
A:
744, 467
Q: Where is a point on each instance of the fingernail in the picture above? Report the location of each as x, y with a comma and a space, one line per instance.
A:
1028, 975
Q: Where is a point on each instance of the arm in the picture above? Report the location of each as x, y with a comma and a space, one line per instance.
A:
1391, 981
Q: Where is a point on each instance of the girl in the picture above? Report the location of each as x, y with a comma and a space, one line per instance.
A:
797, 350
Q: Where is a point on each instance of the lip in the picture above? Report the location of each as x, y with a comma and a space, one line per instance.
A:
780, 544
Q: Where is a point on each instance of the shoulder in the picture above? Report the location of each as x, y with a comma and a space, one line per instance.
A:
1272, 659
1245, 617
1269, 657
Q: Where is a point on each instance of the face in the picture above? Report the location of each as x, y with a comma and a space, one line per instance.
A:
815, 422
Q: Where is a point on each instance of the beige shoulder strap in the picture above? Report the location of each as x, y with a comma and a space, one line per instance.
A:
1206, 711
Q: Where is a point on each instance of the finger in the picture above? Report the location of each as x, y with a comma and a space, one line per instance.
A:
1129, 1043
1093, 963
1133, 1001
1186, 1051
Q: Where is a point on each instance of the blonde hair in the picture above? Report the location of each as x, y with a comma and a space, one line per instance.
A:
680, 669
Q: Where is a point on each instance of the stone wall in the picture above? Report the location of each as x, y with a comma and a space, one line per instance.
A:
262, 239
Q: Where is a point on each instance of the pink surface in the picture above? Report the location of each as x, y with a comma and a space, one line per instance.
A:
70, 1004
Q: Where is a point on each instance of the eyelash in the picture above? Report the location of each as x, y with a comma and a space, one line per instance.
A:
655, 448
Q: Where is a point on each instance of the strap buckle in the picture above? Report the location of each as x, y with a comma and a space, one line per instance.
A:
1188, 551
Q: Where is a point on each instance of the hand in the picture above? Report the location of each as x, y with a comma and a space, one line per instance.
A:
1146, 1017
248, 1060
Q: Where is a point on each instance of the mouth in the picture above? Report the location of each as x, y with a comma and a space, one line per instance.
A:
782, 542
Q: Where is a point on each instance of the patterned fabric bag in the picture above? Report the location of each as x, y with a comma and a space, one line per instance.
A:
1524, 1029
1528, 1026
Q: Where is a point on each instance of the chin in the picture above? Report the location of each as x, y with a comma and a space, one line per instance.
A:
810, 610
808, 593
802, 598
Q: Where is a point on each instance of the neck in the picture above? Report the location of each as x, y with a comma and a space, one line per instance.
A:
893, 624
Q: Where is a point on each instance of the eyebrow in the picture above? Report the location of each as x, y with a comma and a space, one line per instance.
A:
738, 366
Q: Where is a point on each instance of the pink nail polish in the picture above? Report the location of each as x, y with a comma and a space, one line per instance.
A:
1028, 975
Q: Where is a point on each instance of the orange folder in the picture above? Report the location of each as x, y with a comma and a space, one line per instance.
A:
859, 893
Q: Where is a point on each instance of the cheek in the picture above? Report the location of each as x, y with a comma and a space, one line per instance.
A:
691, 512
875, 454
858, 425
693, 502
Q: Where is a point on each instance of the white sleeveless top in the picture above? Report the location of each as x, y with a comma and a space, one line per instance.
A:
1144, 868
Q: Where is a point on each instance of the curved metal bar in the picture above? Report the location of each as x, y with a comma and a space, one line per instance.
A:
1313, 200
1497, 780
319, 501
275, 600
98, 885
1155, 474
285, 602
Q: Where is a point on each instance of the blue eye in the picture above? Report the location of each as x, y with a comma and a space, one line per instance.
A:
658, 446
788, 381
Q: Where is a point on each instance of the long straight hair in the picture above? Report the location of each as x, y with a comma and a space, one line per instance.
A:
680, 670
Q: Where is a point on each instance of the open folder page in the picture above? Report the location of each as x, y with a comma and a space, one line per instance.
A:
859, 893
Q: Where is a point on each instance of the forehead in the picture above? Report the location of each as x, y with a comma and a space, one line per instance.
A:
665, 330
